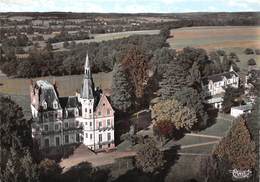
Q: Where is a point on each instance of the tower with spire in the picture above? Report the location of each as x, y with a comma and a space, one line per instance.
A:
86, 118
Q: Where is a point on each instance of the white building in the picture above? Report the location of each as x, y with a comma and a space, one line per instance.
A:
215, 86
86, 118
240, 110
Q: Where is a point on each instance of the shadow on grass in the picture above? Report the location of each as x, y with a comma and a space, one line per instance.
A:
135, 175
85, 172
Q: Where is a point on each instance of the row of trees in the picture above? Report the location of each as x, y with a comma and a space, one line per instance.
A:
65, 36
103, 55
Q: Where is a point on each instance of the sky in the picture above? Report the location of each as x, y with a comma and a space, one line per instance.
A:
129, 6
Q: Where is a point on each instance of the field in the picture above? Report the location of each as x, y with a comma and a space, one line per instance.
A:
109, 36
67, 85
229, 38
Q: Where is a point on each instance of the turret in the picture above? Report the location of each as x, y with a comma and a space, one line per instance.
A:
87, 91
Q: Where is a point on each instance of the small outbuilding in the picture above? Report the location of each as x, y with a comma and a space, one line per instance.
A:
240, 110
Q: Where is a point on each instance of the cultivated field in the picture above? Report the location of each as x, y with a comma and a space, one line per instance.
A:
229, 38
216, 37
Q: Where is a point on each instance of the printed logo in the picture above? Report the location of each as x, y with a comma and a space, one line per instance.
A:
240, 174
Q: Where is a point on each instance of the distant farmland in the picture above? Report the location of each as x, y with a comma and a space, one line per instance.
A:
216, 37
229, 38
110, 36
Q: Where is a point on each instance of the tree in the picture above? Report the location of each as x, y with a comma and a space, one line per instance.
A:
135, 63
231, 98
165, 32
149, 158
14, 129
49, 170
238, 147
182, 71
251, 62
161, 58
20, 168
122, 93
249, 51
182, 117
194, 100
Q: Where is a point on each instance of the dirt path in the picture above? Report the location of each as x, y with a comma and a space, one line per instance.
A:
203, 135
199, 144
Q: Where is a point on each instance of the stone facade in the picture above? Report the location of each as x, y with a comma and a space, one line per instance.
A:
87, 117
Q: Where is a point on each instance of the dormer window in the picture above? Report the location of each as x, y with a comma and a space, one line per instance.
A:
76, 112
44, 104
55, 104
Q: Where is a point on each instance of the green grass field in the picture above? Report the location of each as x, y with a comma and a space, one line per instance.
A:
67, 85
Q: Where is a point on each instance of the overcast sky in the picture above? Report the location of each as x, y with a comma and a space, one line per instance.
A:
130, 6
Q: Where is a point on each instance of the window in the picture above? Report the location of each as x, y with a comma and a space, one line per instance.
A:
46, 142
77, 123
90, 136
108, 145
56, 127
100, 137
100, 124
77, 137
66, 138
108, 112
100, 146
90, 124
99, 113
66, 125
90, 111
46, 127
86, 123
44, 104
86, 109
109, 136
57, 141
108, 123
86, 135
55, 104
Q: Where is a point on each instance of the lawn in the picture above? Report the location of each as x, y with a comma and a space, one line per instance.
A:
67, 85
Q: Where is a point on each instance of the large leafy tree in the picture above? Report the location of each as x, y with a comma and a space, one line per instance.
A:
190, 98
15, 144
135, 64
183, 71
122, 93
149, 158
15, 130
231, 98
171, 111
238, 147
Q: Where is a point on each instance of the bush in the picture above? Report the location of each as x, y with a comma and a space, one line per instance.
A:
257, 51
251, 62
221, 52
249, 51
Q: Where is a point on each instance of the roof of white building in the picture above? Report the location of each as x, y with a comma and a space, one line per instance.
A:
219, 77
243, 107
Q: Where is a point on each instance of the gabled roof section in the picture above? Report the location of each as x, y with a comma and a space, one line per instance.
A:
104, 100
69, 102
219, 77
47, 94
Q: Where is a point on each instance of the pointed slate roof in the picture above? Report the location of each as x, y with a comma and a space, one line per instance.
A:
88, 84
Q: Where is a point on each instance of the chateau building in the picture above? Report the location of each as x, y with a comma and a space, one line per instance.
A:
87, 117
215, 86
